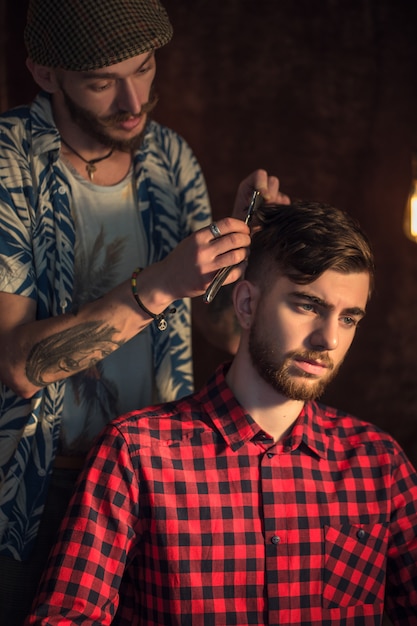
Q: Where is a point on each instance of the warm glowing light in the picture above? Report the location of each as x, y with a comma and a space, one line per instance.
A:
410, 215
413, 216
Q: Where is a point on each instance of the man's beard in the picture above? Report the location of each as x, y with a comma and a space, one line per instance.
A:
279, 375
96, 126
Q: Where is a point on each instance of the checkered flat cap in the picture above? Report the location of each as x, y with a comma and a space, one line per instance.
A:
84, 35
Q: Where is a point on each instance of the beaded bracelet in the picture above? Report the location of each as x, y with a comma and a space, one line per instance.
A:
160, 318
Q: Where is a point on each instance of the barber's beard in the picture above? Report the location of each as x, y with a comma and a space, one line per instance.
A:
96, 127
278, 370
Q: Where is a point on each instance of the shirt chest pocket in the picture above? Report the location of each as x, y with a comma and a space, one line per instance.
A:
355, 565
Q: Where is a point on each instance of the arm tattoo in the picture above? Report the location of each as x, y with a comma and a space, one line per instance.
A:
69, 352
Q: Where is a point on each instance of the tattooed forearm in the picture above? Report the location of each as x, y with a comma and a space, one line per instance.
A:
69, 352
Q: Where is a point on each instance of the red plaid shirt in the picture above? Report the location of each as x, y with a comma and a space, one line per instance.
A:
188, 514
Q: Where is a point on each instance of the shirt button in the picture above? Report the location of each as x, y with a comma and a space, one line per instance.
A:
269, 455
275, 539
361, 534
61, 190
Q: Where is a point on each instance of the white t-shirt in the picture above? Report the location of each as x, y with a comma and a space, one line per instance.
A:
110, 243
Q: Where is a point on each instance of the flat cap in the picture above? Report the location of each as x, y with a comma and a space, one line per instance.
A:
84, 35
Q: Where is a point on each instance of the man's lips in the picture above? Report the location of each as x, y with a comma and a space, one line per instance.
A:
124, 122
315, 368
130, 123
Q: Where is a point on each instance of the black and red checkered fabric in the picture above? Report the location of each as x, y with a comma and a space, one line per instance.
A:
188, 514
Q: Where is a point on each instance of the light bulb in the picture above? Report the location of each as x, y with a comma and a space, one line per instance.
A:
410, 215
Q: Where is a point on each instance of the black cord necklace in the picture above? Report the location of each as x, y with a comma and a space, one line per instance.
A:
91, 165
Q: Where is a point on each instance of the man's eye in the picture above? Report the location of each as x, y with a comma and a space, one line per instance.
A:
349, 321
306, 307
100, 87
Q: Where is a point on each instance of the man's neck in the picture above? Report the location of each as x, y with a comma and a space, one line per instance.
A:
272, 411
107, 172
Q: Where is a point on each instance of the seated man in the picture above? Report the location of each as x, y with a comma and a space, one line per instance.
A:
250, 502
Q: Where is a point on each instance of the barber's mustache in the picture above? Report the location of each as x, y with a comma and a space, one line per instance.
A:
123, 116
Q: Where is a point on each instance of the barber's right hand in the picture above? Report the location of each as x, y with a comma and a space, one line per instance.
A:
189, 268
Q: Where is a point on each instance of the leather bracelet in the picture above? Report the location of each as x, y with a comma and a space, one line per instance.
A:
159, 318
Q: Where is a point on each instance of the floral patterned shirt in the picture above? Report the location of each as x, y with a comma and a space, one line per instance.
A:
37, 240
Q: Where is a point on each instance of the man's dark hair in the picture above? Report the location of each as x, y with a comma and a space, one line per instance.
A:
304, 239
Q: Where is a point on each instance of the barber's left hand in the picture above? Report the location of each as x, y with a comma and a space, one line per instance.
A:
267, 185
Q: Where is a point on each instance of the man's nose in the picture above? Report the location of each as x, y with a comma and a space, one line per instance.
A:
130, 97
326, 334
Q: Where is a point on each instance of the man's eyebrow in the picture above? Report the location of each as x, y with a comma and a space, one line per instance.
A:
354, 310
110, 75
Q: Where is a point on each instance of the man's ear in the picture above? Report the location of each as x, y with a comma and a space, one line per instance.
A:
245, 300
44, 76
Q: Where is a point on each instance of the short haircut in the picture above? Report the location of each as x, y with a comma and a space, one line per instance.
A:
304, 239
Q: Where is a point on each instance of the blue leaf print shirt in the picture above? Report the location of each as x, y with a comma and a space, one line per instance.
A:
37, 239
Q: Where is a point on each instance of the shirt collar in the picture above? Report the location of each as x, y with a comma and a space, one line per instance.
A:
229, 418
45, 135
309, 430
237, 427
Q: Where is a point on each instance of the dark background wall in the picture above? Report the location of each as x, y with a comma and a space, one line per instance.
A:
322, 93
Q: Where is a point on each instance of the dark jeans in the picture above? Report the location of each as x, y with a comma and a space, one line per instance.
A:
19, 579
